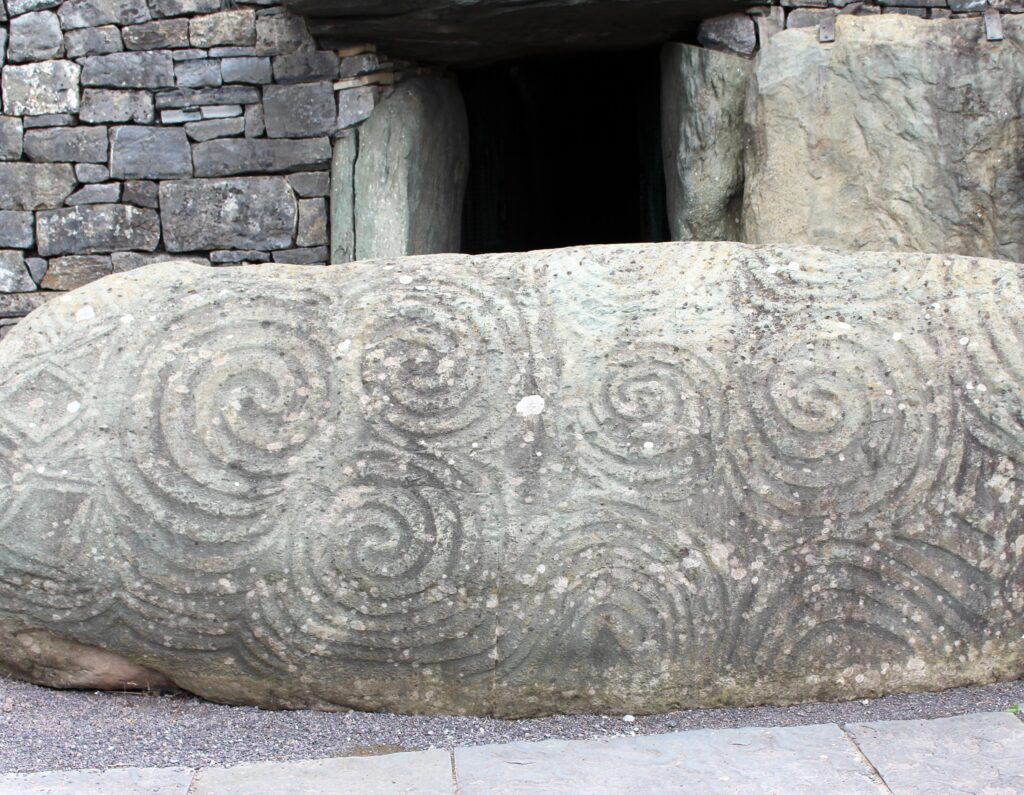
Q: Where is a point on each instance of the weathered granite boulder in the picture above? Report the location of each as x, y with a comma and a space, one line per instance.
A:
702, 101
623, 478
904, 134
410, 172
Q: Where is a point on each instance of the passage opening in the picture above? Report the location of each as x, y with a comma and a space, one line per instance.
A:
564, 151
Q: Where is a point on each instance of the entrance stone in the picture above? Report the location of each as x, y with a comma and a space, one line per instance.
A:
603, 479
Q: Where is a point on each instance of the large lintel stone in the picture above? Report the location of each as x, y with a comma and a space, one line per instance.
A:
607, 479
244, 213
97, 229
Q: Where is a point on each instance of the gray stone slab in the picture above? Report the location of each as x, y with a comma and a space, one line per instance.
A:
128, 70
801, 760
963, 755
419, 773
124, 781
37, 89
299, 110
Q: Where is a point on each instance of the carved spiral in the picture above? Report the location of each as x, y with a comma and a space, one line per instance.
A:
654, 421
989, 338
608, 593
839, 422
230, 400
438, 365
392, 573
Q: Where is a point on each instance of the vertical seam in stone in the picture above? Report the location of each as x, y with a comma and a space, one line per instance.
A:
455, 775
873, 771
355, 198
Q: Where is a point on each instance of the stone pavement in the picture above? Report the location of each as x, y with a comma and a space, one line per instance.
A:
979, 754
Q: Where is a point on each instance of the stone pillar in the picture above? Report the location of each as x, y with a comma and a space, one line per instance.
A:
408, 175
702, 94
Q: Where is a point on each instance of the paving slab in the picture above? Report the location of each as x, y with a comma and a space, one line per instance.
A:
419, 773
117, 781
789, 761
965, 755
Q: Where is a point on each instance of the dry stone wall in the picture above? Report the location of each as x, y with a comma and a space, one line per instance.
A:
134, 130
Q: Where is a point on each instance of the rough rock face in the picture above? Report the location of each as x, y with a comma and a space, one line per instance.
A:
610, 478
703, 94
488, 30
903, 134
410, 172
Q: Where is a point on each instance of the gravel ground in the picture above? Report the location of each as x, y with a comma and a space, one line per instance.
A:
44, 729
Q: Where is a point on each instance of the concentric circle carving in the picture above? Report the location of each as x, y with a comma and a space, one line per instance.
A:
653, 420
838, 421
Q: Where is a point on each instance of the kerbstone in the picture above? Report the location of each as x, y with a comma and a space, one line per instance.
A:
800, 760
150, 153
67, 145
703, 94
35, 186
629, 478
411, 171
967, 753
35, 37
96, 229
904, 153
257, 212
40, 88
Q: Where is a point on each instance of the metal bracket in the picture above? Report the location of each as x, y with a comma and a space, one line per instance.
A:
827, 30
993, 25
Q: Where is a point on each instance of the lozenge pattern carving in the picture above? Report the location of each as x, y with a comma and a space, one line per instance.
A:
608, 479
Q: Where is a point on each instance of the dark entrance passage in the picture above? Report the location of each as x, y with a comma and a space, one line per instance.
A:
564, 151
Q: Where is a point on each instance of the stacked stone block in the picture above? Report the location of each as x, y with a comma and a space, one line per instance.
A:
137, 130
744, 32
